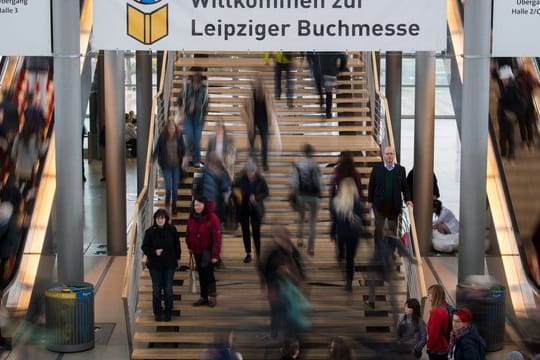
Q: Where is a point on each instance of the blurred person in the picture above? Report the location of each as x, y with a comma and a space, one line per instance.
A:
465, 342
347, 225
446, 222
325, 67
34, 113
282, 63
203, 239
223, 347
196, 105
290, 349
216, 185
253, 190
306, 184
222, 145
510, 109
130, 134
27, 148
438, 325
343, 169
9, 241
411, 330
339, 349
283, 276
169, 152
161, 245
9, 114
527, 84
410, 183
257, 113
383, 261
387, 184
38, 76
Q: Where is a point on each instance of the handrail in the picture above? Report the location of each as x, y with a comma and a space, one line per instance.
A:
142, 213
383, 132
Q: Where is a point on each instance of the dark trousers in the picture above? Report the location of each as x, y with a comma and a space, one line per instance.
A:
247, 217
380, 219
278, 317
438, 356
526, 123
506, 135
263, 132
207, 280
162, 280
347, 250
279, 68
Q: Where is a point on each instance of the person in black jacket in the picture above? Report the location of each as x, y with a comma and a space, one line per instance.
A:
387, 183
465, 342
254, 190
161, 245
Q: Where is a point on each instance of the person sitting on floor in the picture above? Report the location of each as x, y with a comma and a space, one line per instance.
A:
446, 222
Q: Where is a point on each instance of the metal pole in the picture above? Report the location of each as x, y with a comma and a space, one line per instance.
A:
68, 127
393, 95
115, 149
424, 133
474, 134
144, 107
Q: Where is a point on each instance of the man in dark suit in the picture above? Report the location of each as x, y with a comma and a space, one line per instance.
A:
387, 183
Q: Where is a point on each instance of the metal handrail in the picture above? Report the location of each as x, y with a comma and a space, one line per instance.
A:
384, 135
143, 209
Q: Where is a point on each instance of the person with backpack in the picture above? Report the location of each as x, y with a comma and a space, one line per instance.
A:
306, 184
465, 342
439, 323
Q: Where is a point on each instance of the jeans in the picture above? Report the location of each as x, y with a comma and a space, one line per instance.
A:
162, 280
172, 177
279, 68
312, 203
245, 218
193, 131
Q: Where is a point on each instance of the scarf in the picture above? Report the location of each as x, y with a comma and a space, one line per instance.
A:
455, 334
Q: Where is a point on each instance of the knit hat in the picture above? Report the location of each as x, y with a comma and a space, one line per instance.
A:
251, 165
505, 72
514, 355
464, 314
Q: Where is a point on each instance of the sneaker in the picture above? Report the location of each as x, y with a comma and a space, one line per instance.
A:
212, 302
201, 302
248, 259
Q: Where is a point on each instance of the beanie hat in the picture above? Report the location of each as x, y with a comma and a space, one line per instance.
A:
464, 314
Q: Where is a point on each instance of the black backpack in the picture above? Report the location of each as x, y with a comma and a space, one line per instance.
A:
309, 183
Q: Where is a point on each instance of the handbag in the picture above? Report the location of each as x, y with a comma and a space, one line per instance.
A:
193, 275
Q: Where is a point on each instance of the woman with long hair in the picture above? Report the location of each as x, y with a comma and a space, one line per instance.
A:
347, 225
169, 152
438, 326
411, 330
203, 239
161, 246
339, 349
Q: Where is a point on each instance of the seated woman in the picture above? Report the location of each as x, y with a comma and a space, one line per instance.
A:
446, 222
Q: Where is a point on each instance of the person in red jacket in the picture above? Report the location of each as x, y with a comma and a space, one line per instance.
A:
203, 239
438, 326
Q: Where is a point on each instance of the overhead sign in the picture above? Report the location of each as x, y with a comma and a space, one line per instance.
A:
26, 27
513, 22
324, 25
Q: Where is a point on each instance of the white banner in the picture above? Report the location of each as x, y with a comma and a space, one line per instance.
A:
514, 22
295, 25
26, 27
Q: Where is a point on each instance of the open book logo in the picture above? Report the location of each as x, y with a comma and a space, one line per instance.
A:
147, 20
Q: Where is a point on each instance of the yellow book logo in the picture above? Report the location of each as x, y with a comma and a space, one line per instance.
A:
147, 27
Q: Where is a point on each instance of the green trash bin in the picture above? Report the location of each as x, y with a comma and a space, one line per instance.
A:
69, 317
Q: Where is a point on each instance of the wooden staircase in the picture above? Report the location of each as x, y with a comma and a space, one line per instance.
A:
241, 305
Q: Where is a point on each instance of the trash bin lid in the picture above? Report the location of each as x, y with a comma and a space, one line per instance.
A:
70, 290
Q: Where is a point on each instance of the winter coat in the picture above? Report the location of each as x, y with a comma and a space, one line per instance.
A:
342, 227
470, 346
200, 229
261, 193
376, 187
214, 188
413, 339
160, 151
437, 330
166, 238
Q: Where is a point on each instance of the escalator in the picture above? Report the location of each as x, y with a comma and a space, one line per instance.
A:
17, 286
513, 197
